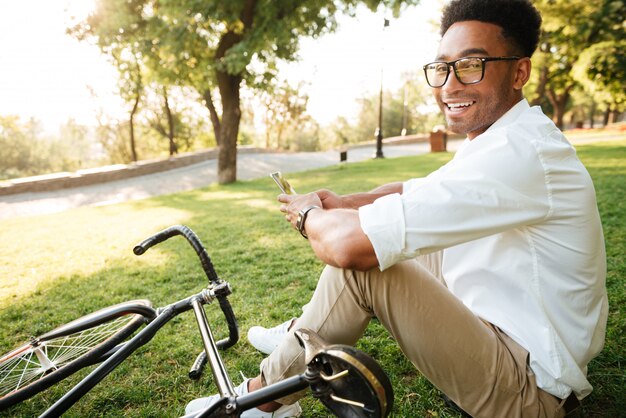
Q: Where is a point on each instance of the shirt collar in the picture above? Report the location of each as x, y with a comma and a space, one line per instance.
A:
511, 115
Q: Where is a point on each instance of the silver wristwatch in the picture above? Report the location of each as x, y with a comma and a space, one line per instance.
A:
302, 215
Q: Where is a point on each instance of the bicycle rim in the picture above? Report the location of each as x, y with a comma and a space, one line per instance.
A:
35, 366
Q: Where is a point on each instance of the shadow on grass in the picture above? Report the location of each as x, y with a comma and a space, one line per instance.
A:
155, 379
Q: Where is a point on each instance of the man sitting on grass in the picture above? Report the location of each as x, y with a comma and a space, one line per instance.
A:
489, 272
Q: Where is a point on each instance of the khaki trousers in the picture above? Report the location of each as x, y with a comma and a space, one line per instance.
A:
473, 362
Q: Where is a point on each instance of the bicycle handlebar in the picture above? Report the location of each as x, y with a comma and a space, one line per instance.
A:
209, 270
191, 237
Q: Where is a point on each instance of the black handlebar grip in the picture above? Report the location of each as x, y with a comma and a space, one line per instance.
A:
191, 237
157, 238
198, 366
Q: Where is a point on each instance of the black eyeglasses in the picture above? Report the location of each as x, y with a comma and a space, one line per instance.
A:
468, 70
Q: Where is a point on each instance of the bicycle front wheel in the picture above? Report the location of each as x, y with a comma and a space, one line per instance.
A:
53, 356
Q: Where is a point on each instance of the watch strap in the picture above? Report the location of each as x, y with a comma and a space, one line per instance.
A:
302, 215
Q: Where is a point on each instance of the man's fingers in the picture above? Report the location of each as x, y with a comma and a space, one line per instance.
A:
285, 198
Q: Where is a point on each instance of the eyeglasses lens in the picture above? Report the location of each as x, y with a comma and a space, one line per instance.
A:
468, 70
436, 73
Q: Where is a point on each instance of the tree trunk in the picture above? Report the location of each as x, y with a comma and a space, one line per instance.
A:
592, 114
615, 114
215, 119
137, 88
226, 128
229, 127
607, 113
133, 151
170, 124
229, 85
559, 103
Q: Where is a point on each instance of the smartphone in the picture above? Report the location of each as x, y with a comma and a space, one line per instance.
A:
282, 183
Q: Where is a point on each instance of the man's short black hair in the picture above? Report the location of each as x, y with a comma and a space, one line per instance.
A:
519, 19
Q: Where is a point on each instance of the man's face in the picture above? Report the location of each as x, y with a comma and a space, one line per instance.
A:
471, 109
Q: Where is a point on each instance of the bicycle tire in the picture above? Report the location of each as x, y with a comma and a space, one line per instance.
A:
55, 355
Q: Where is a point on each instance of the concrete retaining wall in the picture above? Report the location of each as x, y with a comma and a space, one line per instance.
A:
65, 180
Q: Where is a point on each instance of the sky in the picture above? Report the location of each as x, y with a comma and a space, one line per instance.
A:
52, 77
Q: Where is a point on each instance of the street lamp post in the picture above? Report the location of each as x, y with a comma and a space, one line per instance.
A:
379, 130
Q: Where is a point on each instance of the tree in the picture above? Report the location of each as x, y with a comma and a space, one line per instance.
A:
285, 107
570, 27
119, 31
218, 46
402, 110
15, 159
337, 134
74, 148
601, 70
27, 151
172, 120
131, 89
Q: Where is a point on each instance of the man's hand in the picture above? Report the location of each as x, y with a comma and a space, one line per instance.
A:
292, 204
330, 200
335, 235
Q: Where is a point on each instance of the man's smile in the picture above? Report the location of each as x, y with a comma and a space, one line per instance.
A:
458, 105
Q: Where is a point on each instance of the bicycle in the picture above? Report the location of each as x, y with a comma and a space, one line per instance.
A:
347, 381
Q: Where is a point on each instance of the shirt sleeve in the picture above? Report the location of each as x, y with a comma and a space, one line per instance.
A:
501, 186
384, 225
410, 184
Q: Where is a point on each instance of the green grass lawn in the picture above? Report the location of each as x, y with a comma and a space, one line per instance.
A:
54, 268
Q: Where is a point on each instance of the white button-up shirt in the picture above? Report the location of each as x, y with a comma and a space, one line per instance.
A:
516, 217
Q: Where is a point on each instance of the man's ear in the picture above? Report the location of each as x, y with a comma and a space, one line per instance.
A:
522, 73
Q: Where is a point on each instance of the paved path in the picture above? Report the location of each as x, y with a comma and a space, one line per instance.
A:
249, 166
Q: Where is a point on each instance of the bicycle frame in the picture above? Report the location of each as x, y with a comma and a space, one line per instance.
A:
228, 405
339, 376
217, 289
120, 353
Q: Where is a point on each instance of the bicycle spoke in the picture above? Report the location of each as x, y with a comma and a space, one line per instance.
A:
30, 363
19, 371
72, 346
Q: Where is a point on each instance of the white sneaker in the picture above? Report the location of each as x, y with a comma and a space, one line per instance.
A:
267, 339
284, 411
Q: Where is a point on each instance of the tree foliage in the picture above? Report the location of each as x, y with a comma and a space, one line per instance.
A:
410, 108
156, 122
570, 27
28, 151
284, 109
120, 30
601, 70
217, 46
